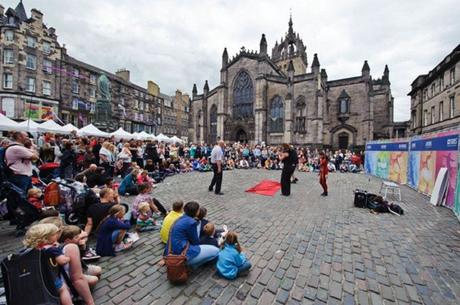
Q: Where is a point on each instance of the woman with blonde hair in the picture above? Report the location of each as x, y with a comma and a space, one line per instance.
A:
107, 159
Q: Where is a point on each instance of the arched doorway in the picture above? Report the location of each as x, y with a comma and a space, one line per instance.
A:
241, 136
343, 140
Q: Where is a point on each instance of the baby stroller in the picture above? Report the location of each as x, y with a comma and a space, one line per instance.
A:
74, 200
22, 213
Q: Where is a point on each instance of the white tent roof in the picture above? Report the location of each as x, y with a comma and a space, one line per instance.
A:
176, 140
145, 136
8, 124
120, 133
29, 125
162, 138
52, 126
92, 130
69, 127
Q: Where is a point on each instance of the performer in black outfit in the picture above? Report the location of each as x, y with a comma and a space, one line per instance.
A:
288, 156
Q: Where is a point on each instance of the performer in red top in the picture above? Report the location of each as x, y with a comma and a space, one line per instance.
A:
323, 171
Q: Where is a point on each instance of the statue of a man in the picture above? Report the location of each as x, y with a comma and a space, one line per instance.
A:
103, 84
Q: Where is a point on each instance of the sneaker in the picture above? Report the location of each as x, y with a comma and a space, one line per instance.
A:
122, 246
90, 255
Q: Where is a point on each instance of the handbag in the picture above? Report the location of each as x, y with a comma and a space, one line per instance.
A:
176, 269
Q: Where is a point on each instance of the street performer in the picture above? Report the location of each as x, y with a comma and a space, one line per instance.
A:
288, 156
323, 171
217, 163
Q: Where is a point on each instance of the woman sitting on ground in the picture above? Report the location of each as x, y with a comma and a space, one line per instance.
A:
112, 231
185, 232
145, 191
129, 184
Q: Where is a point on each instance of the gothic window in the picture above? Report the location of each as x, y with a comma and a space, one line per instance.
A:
243, 96
213, 123
300, 114
276, 115
198, 125
343, 106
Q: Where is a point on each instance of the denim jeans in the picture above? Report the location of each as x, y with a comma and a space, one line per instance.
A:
21, 181
207, 254
245, 267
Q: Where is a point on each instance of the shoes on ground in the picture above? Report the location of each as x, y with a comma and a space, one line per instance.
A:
220, 193
90, 255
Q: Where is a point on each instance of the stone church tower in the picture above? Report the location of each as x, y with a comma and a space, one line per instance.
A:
279, 98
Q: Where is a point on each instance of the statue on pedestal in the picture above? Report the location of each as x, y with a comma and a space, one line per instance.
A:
103, 111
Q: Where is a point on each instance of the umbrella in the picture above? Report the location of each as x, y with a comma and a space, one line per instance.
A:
121, 134
8, 124
52, 126
29, 126
92, 130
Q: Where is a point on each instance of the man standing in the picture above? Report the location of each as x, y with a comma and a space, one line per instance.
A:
217, 162
19, 159
288, 157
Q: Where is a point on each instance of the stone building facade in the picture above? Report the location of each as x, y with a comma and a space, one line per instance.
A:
30, 54
40, 80
435, 97
282, 98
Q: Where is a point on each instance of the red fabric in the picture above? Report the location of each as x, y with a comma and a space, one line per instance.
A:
265, 187
322, 181
49, 165
323, 166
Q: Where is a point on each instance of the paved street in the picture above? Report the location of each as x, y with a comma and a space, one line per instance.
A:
305, 249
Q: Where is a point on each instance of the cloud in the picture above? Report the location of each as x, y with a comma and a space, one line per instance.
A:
177, 43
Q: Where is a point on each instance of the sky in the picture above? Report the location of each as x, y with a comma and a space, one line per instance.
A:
177, 43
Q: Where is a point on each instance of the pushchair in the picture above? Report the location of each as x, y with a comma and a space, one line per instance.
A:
48, 171
21, 212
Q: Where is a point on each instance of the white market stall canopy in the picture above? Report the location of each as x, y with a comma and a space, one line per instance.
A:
92, 130
8, 124
52, 126
176, 140
29, 126
162, 138
69, 128
120, 133
145, 136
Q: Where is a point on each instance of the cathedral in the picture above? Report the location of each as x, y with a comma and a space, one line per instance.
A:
283, 98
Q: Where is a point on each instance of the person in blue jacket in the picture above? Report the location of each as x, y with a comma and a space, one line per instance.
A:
112, 231
231, 262
129, 184
185, 231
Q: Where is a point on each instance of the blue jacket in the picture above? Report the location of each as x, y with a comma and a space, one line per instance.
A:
229, 261
184, 230
104, 244
126, 184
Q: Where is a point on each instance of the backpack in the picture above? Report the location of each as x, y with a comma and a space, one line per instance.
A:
5, 170
29, 268
52, 194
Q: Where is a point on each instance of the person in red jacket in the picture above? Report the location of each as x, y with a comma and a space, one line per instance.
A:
323, 171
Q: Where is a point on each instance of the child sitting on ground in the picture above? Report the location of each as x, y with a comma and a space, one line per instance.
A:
177, 211
231, 262
44, 237
211, 236
73, 235
144, 177
111, 232
144, 221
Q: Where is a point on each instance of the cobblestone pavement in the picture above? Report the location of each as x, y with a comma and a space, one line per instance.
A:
305, 249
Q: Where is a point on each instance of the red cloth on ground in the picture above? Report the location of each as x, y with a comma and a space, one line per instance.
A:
265, 187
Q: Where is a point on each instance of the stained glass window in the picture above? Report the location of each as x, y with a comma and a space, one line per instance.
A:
213, 122
276, 115
300, 114
243, 96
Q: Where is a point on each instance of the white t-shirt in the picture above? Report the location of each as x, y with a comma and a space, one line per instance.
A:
217, 154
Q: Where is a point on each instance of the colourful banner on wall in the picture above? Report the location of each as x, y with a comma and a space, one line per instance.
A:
417, 163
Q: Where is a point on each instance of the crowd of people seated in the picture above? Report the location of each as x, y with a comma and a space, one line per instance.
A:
111, 169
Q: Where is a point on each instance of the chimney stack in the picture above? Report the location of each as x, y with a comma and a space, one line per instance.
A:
124, 74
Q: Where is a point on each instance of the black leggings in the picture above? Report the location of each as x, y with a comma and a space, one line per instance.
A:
159, 206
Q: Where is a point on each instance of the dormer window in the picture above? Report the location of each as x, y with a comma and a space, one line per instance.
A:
11, 20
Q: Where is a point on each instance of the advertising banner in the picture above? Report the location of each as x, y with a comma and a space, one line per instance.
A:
417, 162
